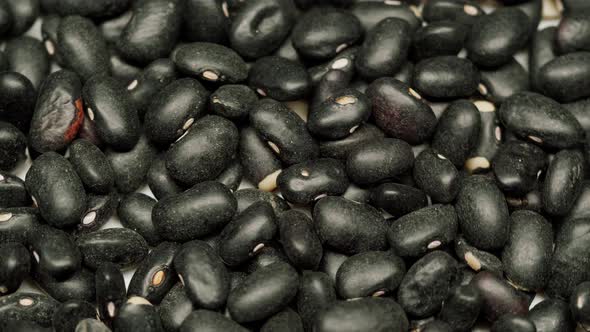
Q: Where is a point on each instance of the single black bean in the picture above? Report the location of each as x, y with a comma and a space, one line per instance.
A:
70, 313
384, 49
475, 259
397, 199
131, 167
27, 56
205, 320
261, 165
175, 308
563, 182
58, 113
80, 286
17, 99
155, 275
110, 291
231, 176
300, 240
121, 246
513, 323
438, 38
517, 166
400, 111
284, 131
500, 83
13, 192
263, 293
18, 224
137, 314
462, 11
552, 315
121, 69
343, 61
92, 167
436, 176
445, 77
205, 20
461, 308
316, 293
99, 209
279, 78
33, 307
370, 13
379, 160
210, 62
483, 213
140, 41
249, 196
541, 51
264, 257
55, 252
566, 78
361, 227
286, 320
573, 32
12, 146
82, 47
135, 212
14, 267
496, 37
232, 101
498, 296
153, 78
159, 180
199, 211
339, 149
490, 138
24, 14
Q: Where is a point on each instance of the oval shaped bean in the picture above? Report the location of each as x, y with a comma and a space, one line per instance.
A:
249, 196
562, 182
261, 165
155, 275
489, 140
110, 291
300, 240
55, 252
517, 166
436, 176
210, 62
316, 293
573, 32
498, 296
445, 77
149, 82
159, 180
92, 167
286, 320
14, 267
463, 11
137, 314
500, 83
232, 101
566, 78
397, 199
121, 246
17, 100
24, 14
477, 260
370, 13
130, 167
279, 78
33, 307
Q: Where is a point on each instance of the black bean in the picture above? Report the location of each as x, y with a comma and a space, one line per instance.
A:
384, 49
300, 240
331, 83
498, 84
489, 140
110, 291
366, 314
400, 111
579, 208
541, 51
33, 307
135, 212
445, 77
80, 286
137, 314
569, 265
339, 149
121, 69
496, 37
121, 246
159, 180
483, 213
24, 14
263, 293
153, 78
286, 320
477, 260
266, 256
360, 227
17, 100
197, 212
498, 296
232, 101
49, 28
23, 326
316, 293
231, 177
155, 276
573, 5
279, 78
261, 165
175, 308
462, 11
284, 131
210, 62
205, 320
5, 18
131, 167
140, 41
552, 315
205, 20
562, 182
343, 61
99, 209
517, 166
579, 109
82, 47
14, 267
573, 32
579, 304
397, 199
88, 132
370, 13
70, 313
27, 56
18, 224
249, 196
58, 113
91, 325
13, 192
92, 167
217, 141
436, 176
12, 146
379, 160
513, 323
461, 308
438, 38
566, 78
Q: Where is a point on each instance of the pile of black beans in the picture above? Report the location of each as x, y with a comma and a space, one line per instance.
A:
317, 165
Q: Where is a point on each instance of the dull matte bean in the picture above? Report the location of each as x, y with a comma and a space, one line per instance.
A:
579, 304
121, 246
153, 78
91, 325
12, 146
286, 320
266, 256
23, 326
249, 196
18, 224
573, 32
260, 164
231, 176
563, 182
110, 291
438, 38
24, 14
55, 252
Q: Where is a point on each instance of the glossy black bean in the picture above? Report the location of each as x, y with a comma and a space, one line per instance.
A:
578, 302
205, 20
332, 83
513, 323
562, 182
489, 140
261, 165
197, 212
249, 196
12, 146
27, 56
56, 189
400, 111
24, 14
137, 314
17, 100
438, 38
110, 291
498, 296
541, 51
210, 62
529, 114
339, 115
99, 209
131, 167
463, 11
13, 192
80, 286
379, 160
339, 149
135, 212
286, 320
33, 307
149, 82
263, 293
323, 32
414, 234
242, 237
70, 313
475, 259
566, 78
279, 78
445, 77
569, 265
461, 308
316, 293
139, 41
217, 141
232, 101
552, 315
92, 167
437, 326
155, 275
498, 84
370, 13
58, 113
436, 176
457, 131
483, 213
18, 224
517, 166
121, 246
14, 267
82, 48
300, 240
350, 236
266, 256
384, 49
110, 108
175, 308
496, 37
159, 180
343, 61
397, 199
205, 320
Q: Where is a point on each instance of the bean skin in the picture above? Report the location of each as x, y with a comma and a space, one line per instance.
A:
436, 176
32, 307
286, 320
92, 166
500, 83
27, 56
79, 286
461, 308
438, 38
155, 276
566, 78
153, 78
17, 100
137, 314
370, 13
204, 20
121, 246
541, 51
513, 323
205, 320
210, 62
70, 313
135, 212
552, 315
279, 78
12, 146
579, 304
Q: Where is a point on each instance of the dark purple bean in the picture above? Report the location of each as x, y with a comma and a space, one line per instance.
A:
121, 246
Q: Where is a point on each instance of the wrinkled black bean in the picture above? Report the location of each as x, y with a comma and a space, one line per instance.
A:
121, 246
110, 291
445, 77
498, 296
